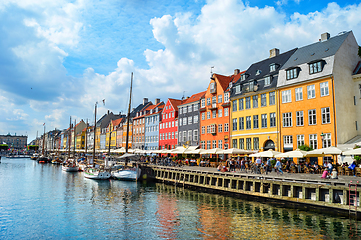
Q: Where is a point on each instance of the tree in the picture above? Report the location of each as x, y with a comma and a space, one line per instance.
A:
305, 147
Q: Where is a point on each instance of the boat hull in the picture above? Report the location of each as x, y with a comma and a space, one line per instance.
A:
97, 175
127, 174
70, 169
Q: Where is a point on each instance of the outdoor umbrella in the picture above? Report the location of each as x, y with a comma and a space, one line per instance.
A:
268, 153
293, 154
356, 151
179, 150
236, 151
325, 151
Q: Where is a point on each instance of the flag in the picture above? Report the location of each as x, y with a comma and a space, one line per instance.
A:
103, 101
44, 124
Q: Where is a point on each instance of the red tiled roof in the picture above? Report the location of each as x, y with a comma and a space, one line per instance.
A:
116, 121
194, 97
175, 103
225, 80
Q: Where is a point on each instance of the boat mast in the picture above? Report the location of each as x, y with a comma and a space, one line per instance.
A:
86, 138
74, 139
95, 128
43, 140
69, 138
128, 118
110, 133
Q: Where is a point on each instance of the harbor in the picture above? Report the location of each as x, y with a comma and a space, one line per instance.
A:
46, 202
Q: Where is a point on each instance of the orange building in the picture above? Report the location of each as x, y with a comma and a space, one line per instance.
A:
215, 112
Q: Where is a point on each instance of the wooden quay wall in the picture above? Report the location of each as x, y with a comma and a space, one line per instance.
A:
316, 194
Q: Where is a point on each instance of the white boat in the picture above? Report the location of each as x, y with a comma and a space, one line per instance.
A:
70, 166
97, 174
129, 174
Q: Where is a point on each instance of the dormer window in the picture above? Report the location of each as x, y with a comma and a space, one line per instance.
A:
213, 87
238, 88
292, 73
151, 111
230, 85
272, 67
267, 80
258, 72
316, 66
251, 86
243, 77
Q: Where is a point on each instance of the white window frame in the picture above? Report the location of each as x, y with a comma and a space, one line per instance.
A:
311, 92
325, 115
286, 96
299, 94
287, 119
324, 89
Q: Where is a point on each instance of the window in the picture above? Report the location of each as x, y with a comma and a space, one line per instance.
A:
263, 100
313, 141
225, 146
255, 121
220, 112
238, 88
203, 103
189, 120
255, 101
184, 136
185, 121
292, 73
214, 143
325, 113
326, 140
267, 80
287, 119
208, 101
189, 135
286, 96
180, 110
298, 93
241, 143
226, 97
195, 107
208, 144
248, 122
226, 127
195, 135
173, 124
240, 103
264, 120
312, 117
220, 144
255, 143
220, 127
248, 102
195, 119
248, 143
311, 91
190, 108
324, 89
287, 140
203, 145
172, 135
243, 77
251, 86
219, 98
272, 98
203, 115
209, 129
300, 140
226, 112
214, 113
234, 124
208, 115
299, 118
234, 143
203, 130
241, 123
315, 67
234, 105
272, 67
214, 99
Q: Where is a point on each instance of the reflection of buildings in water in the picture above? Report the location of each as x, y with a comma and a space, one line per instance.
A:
224, 217
167, 215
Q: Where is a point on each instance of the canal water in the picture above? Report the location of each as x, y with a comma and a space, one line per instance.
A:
40, 201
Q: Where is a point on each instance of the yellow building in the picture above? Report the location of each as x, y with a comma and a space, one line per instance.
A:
254, 108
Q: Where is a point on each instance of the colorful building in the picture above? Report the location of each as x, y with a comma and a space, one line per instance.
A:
254, 111
168, 126
152, 120
215, 112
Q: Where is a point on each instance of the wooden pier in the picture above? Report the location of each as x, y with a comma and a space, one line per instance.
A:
303, 190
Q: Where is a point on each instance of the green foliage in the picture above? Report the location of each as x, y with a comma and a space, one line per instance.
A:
358, 159
305, 148
273, 162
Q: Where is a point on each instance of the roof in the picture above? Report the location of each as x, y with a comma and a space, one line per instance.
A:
117, 121
160, 107
175, 103
357, 68
315, 51
194, 97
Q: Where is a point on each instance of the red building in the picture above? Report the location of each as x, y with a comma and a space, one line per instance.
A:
168, 127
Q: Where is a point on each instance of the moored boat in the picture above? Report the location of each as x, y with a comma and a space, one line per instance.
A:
128, 174
97, 173
70, 166
43, 159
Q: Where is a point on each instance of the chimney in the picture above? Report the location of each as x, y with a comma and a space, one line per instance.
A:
325, 36
157, 101
274, 52
236, 71
108, 112
145, 101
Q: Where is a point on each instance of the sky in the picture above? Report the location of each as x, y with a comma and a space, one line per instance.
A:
59, 58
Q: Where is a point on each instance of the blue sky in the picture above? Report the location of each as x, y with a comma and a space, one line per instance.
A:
60, 57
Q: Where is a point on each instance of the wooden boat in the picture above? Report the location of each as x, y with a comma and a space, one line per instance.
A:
43, 159
97, 173
70, 166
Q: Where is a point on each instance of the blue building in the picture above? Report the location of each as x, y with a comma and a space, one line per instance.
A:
152, 120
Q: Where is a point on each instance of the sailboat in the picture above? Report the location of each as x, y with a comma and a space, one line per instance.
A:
97, 173
43, 158
126, 173
70, 164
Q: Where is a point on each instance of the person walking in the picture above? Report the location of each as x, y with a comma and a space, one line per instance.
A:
268, 165
278, 167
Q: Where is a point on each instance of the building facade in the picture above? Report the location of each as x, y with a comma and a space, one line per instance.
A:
152, 126
168, 126
17, 142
